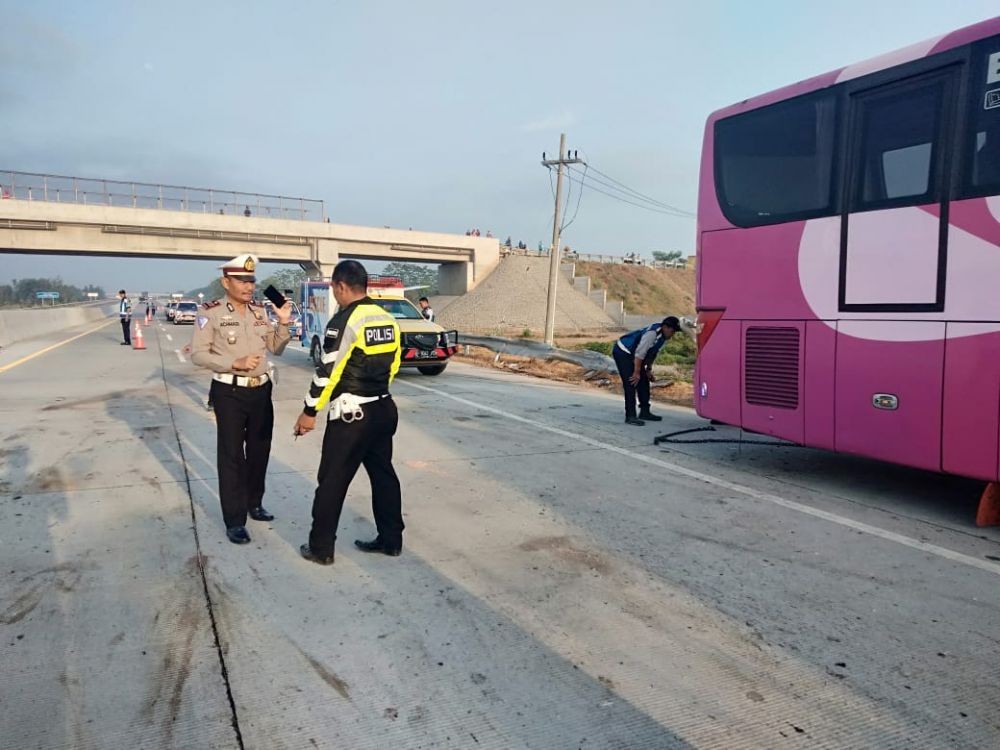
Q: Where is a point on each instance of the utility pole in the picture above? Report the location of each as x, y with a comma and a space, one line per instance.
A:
554, 259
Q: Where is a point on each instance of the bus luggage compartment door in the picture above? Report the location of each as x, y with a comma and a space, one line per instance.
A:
772, 378
717, 374
889, 386
972, 401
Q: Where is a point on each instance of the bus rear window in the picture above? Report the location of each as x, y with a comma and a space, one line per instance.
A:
775, 164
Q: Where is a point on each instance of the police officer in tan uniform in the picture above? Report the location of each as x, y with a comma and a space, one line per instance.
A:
231, 338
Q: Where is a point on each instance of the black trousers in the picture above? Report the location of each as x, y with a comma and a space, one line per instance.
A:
244, 421
126, 331
346, 446
626, 366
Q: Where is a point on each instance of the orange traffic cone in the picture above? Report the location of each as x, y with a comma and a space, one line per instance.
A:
148, 317
989, 506
137, 340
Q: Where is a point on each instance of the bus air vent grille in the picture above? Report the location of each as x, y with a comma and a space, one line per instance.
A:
771, 367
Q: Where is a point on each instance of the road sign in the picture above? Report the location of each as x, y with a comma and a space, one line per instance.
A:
47, 295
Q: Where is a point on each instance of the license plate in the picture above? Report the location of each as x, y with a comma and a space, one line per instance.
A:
421, 354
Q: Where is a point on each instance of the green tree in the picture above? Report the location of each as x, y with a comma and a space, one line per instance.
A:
666, 257
414, 275
24, 290
284, 279
212, 291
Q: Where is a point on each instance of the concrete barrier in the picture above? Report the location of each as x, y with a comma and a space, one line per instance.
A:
20, 325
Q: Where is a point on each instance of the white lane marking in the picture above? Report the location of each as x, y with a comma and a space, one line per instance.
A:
169, 337
179, 355
850, 523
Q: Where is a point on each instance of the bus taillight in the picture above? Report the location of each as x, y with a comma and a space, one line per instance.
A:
707, 321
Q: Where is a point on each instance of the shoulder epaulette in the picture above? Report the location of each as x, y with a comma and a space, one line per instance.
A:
210, 305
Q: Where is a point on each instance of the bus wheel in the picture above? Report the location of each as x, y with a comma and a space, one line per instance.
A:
431, 369
316, 353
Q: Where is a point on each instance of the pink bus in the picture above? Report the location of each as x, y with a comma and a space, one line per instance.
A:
848, 265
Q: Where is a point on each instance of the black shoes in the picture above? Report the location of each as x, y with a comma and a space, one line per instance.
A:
634, 420
125, 343
376, 545
260, 514
311, 556
238, 535
649, 416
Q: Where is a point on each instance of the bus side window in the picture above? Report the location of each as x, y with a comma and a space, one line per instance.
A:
982, 173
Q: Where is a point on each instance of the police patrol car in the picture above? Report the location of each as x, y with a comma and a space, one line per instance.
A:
425, 345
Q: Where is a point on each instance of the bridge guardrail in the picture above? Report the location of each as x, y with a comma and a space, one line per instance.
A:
33, 186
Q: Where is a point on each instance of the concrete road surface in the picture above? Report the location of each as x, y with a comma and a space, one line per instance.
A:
564, 583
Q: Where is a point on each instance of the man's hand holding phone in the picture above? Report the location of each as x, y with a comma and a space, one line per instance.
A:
282, 307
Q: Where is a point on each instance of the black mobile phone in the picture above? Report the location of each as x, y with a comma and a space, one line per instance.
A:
276, 297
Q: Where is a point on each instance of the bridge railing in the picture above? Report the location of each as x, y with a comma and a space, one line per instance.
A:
33, 186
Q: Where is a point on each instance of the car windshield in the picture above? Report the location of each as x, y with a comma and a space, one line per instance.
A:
187, 307
400, 309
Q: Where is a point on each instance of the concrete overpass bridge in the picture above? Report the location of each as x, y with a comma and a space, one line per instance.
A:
49, 214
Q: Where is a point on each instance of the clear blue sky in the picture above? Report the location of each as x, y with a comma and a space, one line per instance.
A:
431, 115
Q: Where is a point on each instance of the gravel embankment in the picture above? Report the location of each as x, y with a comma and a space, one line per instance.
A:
512, 299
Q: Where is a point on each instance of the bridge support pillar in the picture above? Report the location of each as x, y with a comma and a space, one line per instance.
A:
455, 279
324, 257
318, 271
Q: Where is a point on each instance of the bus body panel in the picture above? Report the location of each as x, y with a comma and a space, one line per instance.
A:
972, 401
910, 372
819, 384
753, 273
717, 374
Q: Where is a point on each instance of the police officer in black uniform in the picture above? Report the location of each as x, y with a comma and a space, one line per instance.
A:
634, 354
361, 353
232, 337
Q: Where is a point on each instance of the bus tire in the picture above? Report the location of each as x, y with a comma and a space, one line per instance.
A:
431, 369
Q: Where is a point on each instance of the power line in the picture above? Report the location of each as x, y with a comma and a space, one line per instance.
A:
578, 197
675, 212
657, 204
620, 194
625, 188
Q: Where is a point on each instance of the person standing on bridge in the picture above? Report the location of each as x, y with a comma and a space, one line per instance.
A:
361, 354
125, 315
634, 354
231, 338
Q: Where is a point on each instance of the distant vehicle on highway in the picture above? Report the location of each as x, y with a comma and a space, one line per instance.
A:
185, 311
169, 308
425, 345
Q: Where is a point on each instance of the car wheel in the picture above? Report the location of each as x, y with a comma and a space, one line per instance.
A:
431, 369
316, 353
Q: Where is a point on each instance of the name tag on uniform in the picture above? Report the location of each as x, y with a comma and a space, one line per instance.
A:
380, 335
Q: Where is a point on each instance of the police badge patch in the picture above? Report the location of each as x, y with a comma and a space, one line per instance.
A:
202, 321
